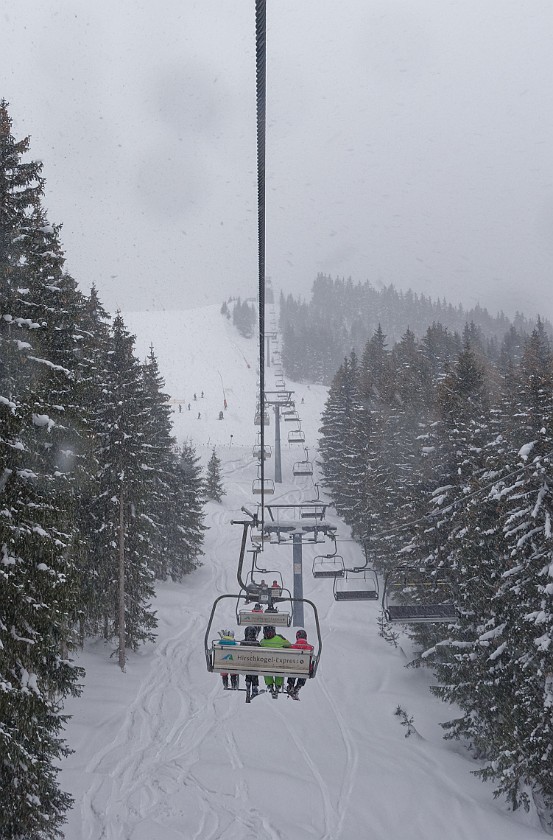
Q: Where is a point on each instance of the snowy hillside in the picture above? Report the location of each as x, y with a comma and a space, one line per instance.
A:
163, 753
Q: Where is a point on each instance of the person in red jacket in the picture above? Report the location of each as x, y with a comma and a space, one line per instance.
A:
293, 684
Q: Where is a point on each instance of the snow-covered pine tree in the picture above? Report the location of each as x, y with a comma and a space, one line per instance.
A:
36, 529
334, 431
189, 493
520, 656
91, 378
243, 318
159, 445
123, 527
400, 452
213, 484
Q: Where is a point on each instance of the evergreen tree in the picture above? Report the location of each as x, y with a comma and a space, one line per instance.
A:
243, 318
159, 446
213, 485
36, 529
189, 492
125, 533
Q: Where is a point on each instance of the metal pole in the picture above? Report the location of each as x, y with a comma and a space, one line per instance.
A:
278, 463
269, 351
298, 579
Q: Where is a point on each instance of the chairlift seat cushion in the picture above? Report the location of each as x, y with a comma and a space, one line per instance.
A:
421, 613
356, 595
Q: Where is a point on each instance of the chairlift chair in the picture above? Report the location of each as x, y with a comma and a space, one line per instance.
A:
262, 661
291, 416
263, 486
356, 586
402, 584
262, 591
303, 468
328, 566
267, 451
296, 436
257, 419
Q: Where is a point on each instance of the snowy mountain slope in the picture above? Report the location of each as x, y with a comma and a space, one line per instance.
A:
162, 752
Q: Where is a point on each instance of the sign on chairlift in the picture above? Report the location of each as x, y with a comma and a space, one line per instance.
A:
243, 659
265, 619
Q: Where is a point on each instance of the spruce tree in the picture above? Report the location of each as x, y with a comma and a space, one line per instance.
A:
124, 530
213, 484
189, 492
36, 526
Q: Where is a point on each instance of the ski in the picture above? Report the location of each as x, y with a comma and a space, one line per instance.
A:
250, 697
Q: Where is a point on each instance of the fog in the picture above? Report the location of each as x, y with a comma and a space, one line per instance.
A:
407, 143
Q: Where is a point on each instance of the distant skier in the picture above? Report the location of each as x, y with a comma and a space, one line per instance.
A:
188, 406
227, 638
202, 395
221, 416
180, 408
273, 640
293, 685
195, 397
199, 416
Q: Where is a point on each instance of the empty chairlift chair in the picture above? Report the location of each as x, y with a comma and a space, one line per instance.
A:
328, 566
256, 451
291, 416
303, 468
264, 486
356, 585
296, 436
408, 598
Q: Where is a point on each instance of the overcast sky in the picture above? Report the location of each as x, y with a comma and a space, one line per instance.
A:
409, 142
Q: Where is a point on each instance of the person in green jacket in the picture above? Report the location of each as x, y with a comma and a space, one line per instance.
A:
273, 639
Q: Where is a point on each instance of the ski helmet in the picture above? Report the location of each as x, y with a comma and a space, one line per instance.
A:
250, 633
269, 631
228, 634
301, 634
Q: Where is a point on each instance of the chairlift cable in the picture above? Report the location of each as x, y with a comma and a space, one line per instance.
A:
261, 99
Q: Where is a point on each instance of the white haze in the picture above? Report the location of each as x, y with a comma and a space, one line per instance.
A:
408, 143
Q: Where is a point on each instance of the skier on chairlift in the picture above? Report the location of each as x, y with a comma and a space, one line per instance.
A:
227, 638
293, 685
250, 639
272, 639
276, 589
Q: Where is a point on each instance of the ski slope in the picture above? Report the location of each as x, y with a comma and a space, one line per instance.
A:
163, 753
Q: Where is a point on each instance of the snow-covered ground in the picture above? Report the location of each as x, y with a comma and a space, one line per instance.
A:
163, 753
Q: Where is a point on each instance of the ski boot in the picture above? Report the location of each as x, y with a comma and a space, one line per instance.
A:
234, 681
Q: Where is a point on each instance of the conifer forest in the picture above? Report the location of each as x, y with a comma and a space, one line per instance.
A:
96, 501
438, 453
